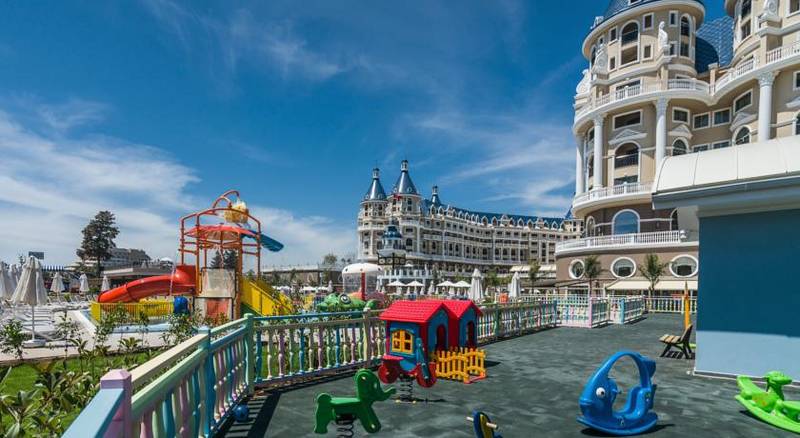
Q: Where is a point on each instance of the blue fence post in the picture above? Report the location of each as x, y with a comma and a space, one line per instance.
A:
259, 355
209, 379
249, 359
122, 425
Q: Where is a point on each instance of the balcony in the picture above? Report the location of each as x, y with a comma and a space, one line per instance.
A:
622, 95
618, 192
626, 160
624, 241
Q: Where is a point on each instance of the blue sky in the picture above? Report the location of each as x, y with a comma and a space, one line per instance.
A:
153, 108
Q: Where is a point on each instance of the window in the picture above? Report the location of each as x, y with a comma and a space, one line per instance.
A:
680, 115
647, 21
629, 55
631, 179
722, 117
744, 31
701, 121
721, 144
612, 35
673, 220
794, 6
684, 49
629, 119
683, 266
402, 342
623, 267
679, 147
576, 269
625, 222
746, 8
594, 55
612, 63
630, 33
626, 155
685, 27
742, 102
797, 77
647, 52
700, 148
672, 48
797, 125
743, 136
673, 18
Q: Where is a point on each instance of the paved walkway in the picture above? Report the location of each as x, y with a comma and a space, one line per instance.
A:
532, 390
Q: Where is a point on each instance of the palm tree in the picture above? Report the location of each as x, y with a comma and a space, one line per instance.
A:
652, 270
533, 273
592, 270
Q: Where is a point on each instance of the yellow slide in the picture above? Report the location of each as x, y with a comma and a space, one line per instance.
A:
262, 298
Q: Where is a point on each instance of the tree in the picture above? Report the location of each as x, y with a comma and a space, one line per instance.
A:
329, 259
533, 272
216, 261
230, 259
592, 270
98, 239
652, 270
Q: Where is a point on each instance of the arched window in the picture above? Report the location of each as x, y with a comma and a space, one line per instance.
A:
685, 26
679, 147
742, 136
626, 222
630, 33
626, 155
797, 125
673, 220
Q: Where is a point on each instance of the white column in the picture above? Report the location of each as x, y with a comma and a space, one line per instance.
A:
661, 131
598, 151
579, 186
765, 105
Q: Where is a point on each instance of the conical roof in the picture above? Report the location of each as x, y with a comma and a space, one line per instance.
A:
375, 192
404, 185
435, 196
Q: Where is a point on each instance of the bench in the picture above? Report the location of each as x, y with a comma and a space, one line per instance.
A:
680, 343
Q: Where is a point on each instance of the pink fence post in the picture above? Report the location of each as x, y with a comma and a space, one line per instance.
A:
122, 425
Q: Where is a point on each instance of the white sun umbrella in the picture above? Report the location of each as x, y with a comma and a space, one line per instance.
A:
84, 284
330, 286
432, 288
461, 287
106, 284
57, 287
30, 290
14, 275
397, 285
476, 288
6, 284
514, 287
447, 285
416, 285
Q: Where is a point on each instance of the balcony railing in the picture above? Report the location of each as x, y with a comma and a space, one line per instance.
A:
626, 160
643, 89
657, 238
741, 69
784, 52
609, 192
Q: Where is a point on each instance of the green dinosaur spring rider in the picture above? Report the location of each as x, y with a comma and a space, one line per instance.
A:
345, 410
770, 406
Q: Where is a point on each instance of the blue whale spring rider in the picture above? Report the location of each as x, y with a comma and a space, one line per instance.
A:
597, 399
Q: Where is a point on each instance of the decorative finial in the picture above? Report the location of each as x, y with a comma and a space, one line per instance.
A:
376, 173
404, 166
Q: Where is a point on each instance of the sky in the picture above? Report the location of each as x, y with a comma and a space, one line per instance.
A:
153, 108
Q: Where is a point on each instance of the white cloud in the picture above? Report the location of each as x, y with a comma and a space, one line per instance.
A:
72, 113
52, 185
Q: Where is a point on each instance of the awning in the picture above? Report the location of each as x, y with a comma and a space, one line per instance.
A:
663, 285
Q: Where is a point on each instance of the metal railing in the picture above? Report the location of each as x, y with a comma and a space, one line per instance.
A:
132, 312
656, 238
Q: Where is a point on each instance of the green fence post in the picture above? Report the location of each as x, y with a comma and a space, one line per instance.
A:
249, 358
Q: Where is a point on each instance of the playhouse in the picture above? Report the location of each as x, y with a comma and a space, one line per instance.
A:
415, 330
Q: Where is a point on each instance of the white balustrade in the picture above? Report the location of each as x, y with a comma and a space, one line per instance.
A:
655, 238
613, 191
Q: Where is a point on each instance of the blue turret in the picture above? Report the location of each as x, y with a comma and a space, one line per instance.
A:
375, 192
435, 196
404, 185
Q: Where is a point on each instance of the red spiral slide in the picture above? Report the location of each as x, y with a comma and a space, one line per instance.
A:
180, 282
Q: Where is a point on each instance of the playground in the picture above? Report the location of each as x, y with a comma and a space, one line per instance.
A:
531, 389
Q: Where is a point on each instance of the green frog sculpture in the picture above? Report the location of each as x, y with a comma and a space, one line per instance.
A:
345, 410
770, 406
344, 303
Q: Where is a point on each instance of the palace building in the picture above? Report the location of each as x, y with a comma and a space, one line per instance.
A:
664, 81
405, 229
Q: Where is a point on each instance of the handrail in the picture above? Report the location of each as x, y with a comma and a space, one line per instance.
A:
616, 190
141, 374
105, 403
624, 240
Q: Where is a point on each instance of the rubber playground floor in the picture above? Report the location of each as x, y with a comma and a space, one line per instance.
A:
532, 390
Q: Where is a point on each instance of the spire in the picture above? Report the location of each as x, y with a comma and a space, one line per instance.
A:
375, 192
435, 196
404, 185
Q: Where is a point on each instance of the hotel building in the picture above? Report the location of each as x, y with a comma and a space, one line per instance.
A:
663, 81
431, 235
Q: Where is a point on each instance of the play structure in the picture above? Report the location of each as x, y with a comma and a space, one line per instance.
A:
416, 330
597, 399
344, 303
345, 410
483, 426
360, 280
227, 227
770, 406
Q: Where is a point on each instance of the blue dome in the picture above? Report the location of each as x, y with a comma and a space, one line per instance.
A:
617, 6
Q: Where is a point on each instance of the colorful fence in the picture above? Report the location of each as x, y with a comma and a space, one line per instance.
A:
461, 364
581, 311
625, 310
190, 389
130, 312
669, 304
